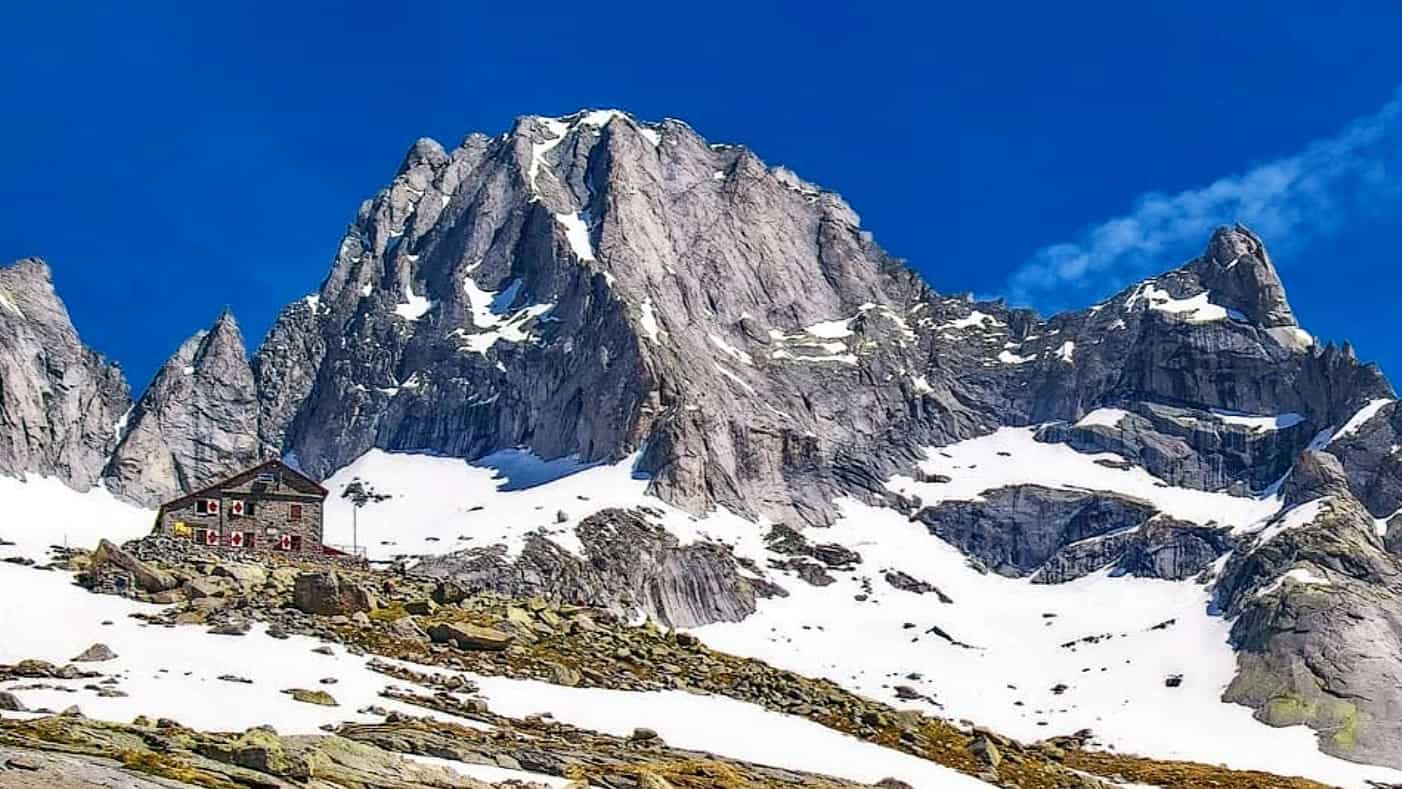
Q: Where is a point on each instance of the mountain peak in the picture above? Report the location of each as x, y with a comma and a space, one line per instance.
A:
30, 266
1236, 265
197, 420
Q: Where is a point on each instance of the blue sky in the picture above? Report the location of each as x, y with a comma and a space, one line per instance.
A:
171, 161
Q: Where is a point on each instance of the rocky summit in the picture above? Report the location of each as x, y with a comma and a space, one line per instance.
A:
792, 434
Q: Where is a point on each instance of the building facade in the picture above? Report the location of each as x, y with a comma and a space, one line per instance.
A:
270, 507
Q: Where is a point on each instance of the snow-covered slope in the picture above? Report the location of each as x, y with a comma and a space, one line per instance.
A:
44, 511
176, 673
1031, 660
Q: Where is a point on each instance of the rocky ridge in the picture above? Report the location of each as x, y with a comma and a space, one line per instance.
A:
60, 402
196, 422
570, 645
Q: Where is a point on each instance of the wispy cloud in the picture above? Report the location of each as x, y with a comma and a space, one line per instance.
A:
1289, 201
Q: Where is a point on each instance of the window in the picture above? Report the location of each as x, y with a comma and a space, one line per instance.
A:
207, 506
250, 540
296, 539
294, 512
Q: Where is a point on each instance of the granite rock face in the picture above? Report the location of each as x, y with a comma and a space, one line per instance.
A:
1014, 531
1057, 535
627, 563
554, 288
60, 402
196, 422
1315, 601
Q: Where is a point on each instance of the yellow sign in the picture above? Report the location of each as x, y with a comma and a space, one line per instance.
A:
182, 529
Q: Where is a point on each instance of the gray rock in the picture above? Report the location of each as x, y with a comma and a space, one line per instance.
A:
909, 583
144, 576
1317, 630
96, 653
323, 593
60, 402
1016, 530
196, 423
629, 564
465, 635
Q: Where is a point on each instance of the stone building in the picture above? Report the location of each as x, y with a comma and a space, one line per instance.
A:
269, 507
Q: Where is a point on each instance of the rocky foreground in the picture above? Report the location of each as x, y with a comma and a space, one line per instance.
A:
419, 632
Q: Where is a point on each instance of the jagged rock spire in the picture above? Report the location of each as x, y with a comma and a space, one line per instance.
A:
59, 400
1238, 268
197, 421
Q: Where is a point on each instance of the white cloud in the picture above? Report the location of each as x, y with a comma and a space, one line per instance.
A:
1289, 202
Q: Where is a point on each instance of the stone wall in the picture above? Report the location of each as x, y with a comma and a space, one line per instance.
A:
263, 529
271, 494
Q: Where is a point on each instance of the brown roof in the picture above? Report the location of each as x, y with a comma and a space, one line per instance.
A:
265, 464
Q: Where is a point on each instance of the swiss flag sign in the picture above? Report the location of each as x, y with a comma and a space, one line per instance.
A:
236, 539
211, 537
285, 543
236, 507
211, 506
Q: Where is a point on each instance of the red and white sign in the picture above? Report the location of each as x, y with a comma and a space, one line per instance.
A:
285, 543
211, 537
211, 506
236, 508
236, 539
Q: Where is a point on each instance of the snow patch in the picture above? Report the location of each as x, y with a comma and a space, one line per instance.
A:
1013, 456
1259, 424
737, 380
577, 233
1299, 575
1008, 357
832, 330
1103, 417
974, 319
511, 329
556, 134
414, 306
1194, 309
648, 320
730, 350
1359, 419
1293, 518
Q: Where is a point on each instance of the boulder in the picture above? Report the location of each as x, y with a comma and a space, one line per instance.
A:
324, 594
465, 635
96, 653
318, 697
248, 576
146, 577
